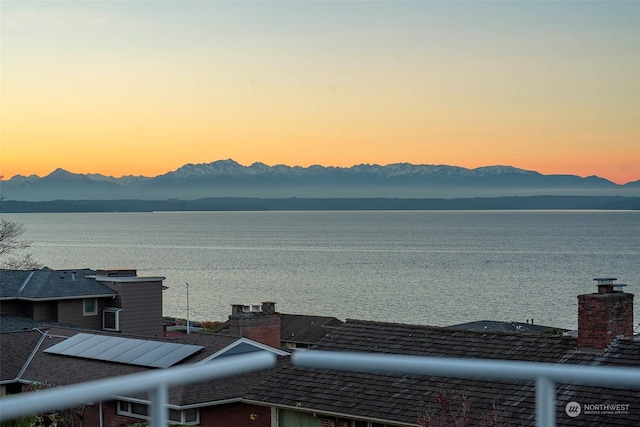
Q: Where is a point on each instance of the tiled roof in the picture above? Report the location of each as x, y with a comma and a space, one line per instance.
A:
9, 323
403, 398
11, 281
390, 398
624, 353
398, 338
305, 329
46, 283
14, 323
299, 328
495, 326
16, 348
56, 369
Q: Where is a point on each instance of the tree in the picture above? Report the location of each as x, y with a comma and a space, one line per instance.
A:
11, 247
453, 411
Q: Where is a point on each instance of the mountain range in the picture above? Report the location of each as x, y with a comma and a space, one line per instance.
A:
227, 178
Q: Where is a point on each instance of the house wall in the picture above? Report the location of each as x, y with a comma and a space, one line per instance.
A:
231, 415
71, 311
235, 415
26, 308
10, 307
141, 303
46, 310
110, 418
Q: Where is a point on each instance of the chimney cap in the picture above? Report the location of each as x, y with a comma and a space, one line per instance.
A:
602, 280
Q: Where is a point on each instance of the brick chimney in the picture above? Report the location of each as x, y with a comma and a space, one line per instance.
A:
261, 325
605, 315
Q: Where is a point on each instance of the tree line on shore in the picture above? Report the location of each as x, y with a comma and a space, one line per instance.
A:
290, 204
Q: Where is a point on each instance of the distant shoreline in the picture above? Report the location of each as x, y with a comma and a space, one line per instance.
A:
316, 204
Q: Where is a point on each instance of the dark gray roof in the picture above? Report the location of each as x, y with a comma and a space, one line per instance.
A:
11, 281
495, 326
14, 323
17, 323
403, 398
301, 328
621, 353
46, 283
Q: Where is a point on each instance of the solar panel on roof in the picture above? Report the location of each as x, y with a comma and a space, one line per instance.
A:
131, 351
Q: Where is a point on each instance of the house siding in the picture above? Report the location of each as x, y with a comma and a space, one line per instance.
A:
10, 307
141, 304
44, 311
71, 311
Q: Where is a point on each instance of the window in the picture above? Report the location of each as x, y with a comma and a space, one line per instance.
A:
138, 410
89, 307
190, 416
141, 410
111, 319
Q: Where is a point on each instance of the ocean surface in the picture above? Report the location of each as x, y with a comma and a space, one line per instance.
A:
422, 267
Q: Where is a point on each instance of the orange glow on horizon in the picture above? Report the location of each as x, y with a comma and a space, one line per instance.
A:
580, 167
122, 89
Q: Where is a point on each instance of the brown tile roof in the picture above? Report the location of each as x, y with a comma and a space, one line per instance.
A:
15, 349
54, 369
403, 398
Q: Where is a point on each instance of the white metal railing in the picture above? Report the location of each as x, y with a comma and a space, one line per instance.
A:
156, 382
545, 375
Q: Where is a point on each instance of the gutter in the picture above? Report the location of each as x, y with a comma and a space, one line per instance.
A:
64, 298
183, 407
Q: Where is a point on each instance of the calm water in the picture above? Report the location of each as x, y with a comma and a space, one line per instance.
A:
425, 267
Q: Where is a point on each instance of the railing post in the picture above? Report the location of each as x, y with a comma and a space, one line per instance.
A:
545, 402
159, 410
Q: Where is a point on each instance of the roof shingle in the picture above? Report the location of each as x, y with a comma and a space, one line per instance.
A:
404, 398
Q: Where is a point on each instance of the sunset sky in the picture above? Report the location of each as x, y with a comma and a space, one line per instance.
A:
144, 87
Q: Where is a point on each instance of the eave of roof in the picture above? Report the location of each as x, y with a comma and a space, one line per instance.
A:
60, 298
126, 279
300, 408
